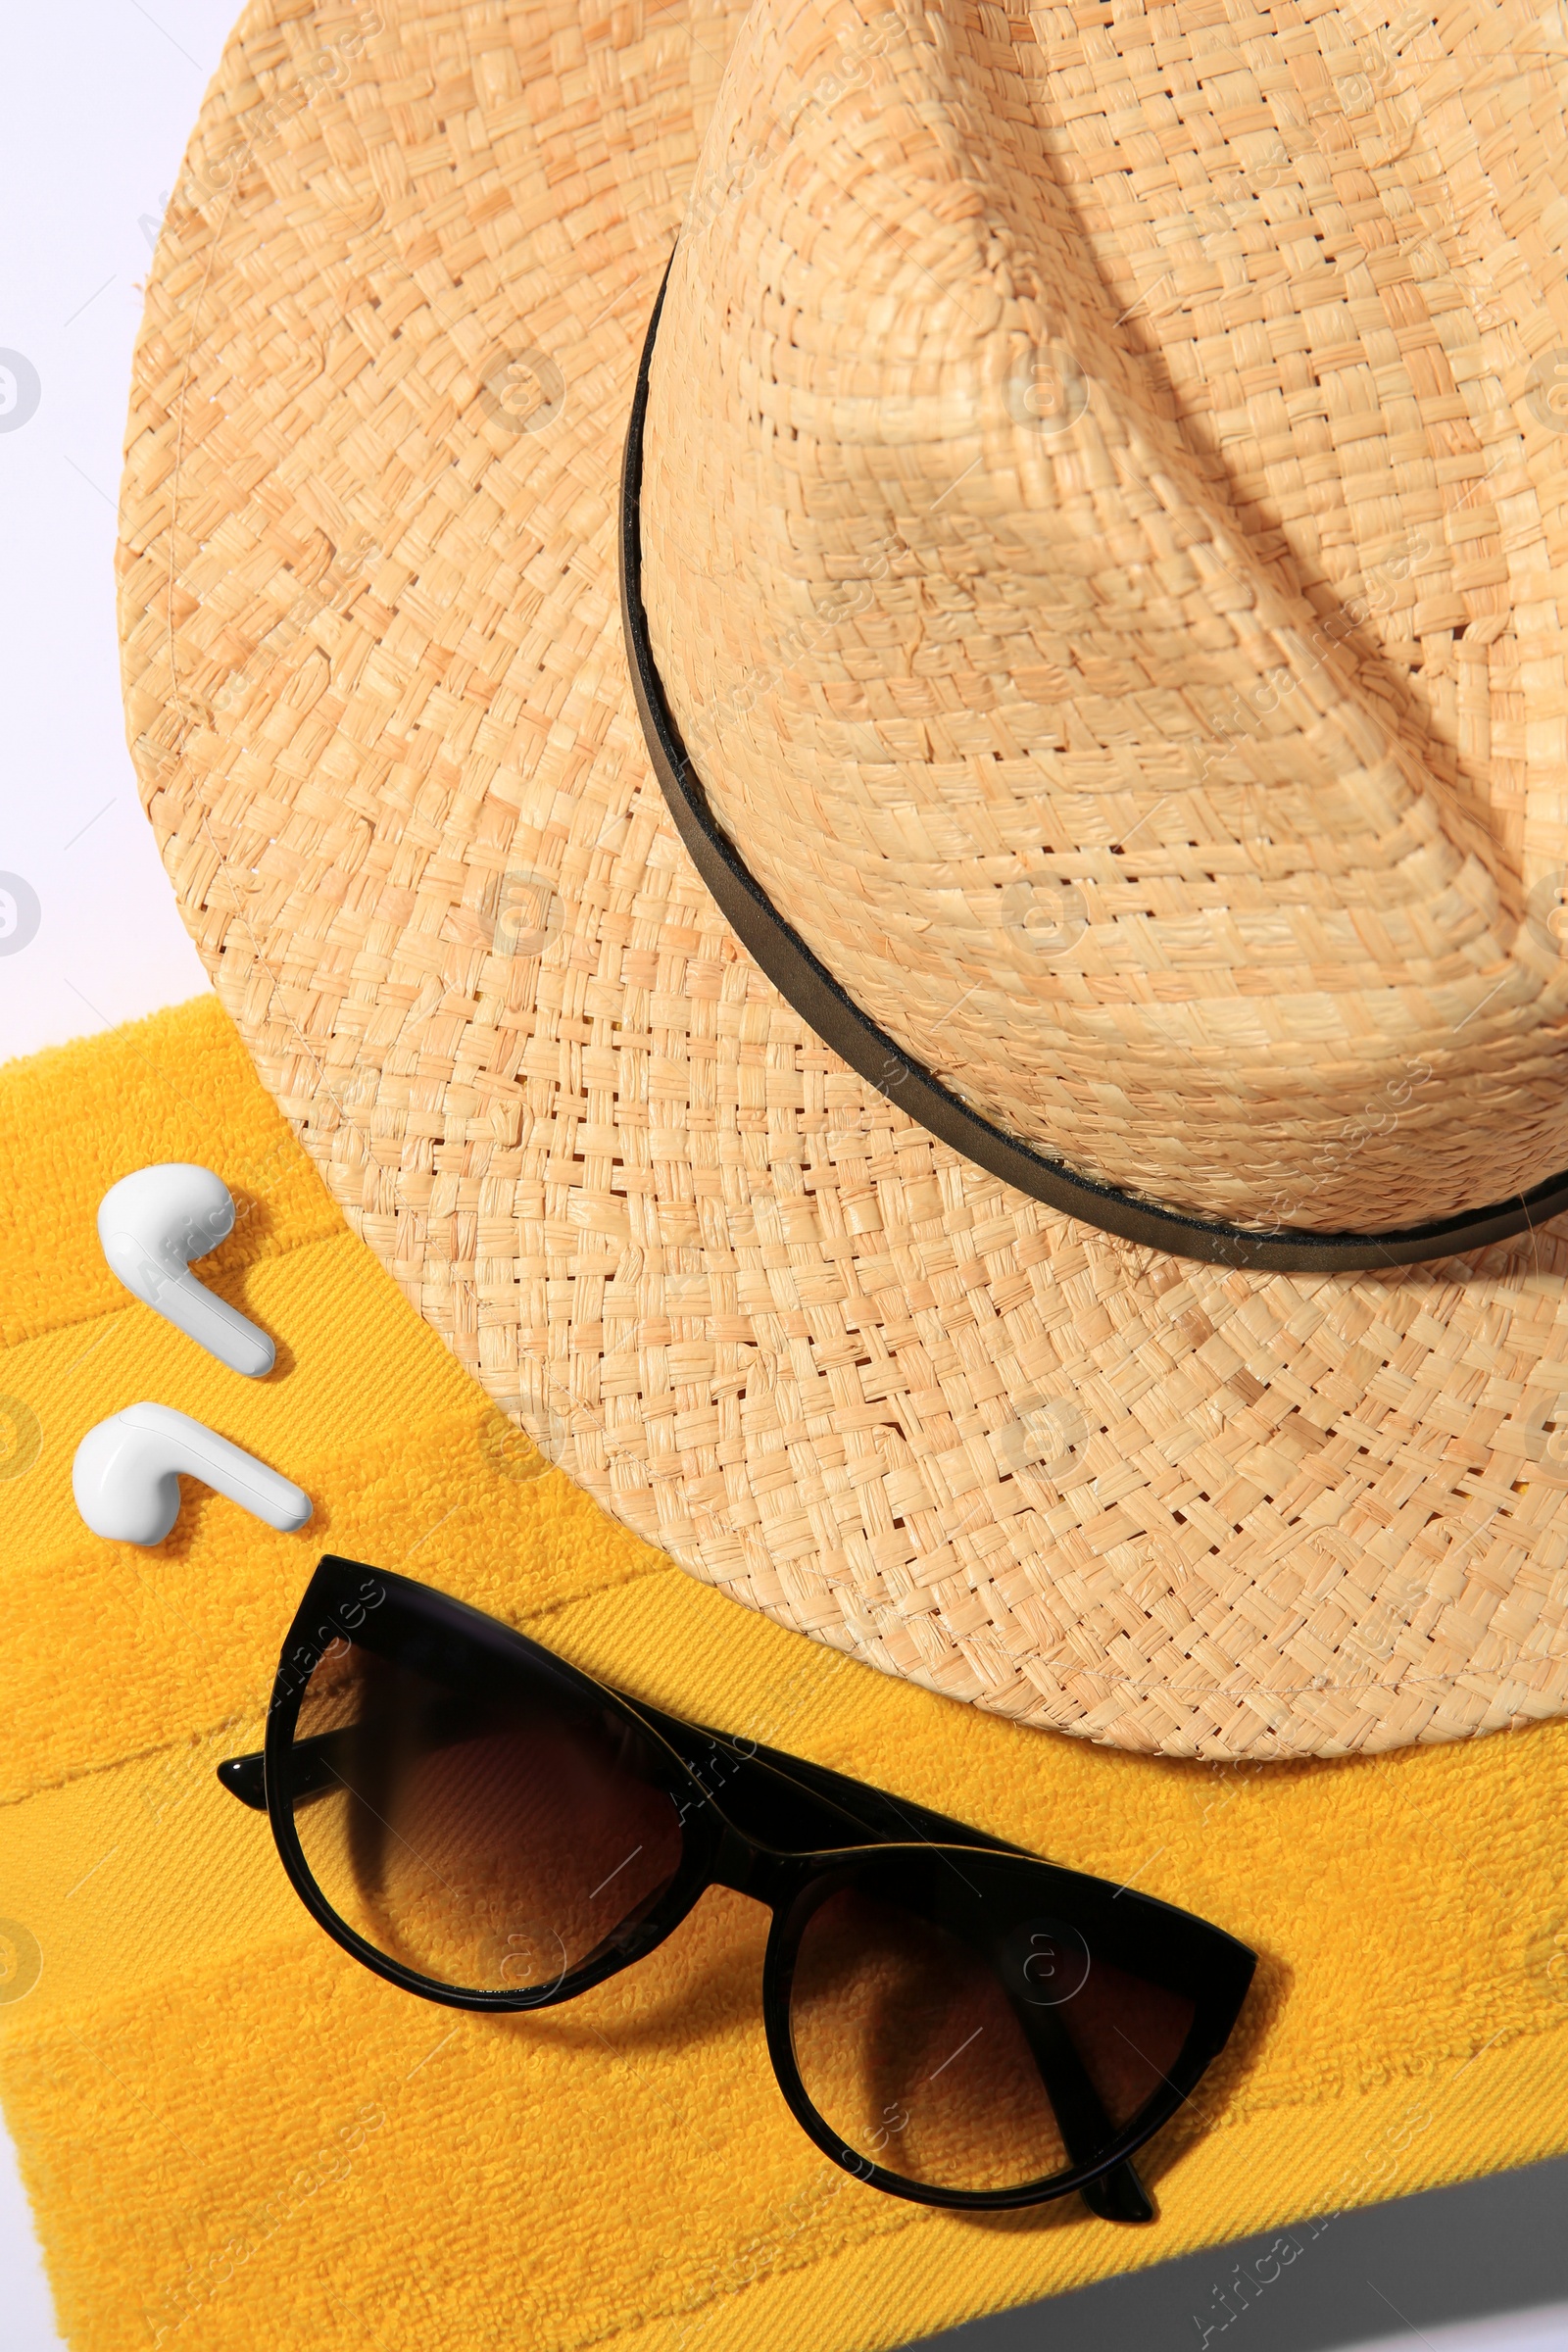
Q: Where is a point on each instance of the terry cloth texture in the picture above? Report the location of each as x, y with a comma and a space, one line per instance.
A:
232, 2135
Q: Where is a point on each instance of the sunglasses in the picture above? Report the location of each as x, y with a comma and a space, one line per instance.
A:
950, 2019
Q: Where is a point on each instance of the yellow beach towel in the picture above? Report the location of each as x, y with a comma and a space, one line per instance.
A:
232, 2135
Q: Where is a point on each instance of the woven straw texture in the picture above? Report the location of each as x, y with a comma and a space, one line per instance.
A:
1130, 421
235, 2137
378, 705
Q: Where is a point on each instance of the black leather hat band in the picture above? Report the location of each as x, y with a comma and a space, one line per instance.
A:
810, 988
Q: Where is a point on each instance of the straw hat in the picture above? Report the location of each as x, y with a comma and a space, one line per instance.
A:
1093, 547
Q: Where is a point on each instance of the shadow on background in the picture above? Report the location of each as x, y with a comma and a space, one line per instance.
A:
1488, 2246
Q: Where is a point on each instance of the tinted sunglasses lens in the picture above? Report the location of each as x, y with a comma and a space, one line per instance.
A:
493, 1837
962, 2059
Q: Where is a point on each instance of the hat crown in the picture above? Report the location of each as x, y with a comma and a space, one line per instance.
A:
1077, 564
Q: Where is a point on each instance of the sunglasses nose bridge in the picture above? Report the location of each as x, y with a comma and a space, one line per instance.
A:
749, 1869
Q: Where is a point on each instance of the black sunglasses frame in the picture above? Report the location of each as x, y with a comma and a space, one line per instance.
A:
825, 1827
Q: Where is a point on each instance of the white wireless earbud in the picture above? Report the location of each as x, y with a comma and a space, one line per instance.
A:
152, 1224
125, 1475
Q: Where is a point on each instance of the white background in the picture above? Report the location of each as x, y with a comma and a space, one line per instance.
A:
98, 101
96, 105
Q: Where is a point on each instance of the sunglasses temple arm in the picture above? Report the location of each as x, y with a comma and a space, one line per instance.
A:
311, 1762
1117, 2195
244, 1777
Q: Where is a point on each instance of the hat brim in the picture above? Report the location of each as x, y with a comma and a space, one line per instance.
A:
380, 712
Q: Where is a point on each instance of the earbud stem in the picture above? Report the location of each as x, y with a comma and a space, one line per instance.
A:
181, 1298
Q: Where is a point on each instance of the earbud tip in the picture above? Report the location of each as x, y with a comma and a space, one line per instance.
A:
250, 1352
299, 1517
